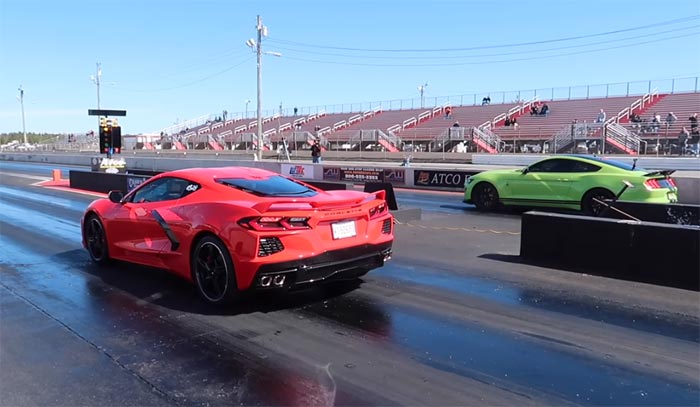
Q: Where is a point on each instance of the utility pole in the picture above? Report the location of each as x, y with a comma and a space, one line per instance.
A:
21, 102
259, 29
96, 79
256, 46
421, 88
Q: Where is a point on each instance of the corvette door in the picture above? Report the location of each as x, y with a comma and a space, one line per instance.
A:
137, 234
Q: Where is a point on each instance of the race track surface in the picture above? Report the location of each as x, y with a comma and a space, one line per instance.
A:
453, 319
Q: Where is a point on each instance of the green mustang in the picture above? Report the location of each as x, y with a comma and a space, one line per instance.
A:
569, 182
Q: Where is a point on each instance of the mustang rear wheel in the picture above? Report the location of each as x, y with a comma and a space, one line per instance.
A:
485, 196
96, 239
212, 271
590, 206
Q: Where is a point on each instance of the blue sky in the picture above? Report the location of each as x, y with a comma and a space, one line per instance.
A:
167, 61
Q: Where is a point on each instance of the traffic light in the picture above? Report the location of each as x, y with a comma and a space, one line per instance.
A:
116, 137
105, 136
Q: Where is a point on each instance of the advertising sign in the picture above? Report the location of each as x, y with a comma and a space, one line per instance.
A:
108, 165
445, 179
305, 171
365, 174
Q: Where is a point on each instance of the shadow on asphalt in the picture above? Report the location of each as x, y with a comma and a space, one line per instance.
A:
161, 287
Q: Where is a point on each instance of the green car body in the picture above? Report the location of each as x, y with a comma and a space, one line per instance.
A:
569, 182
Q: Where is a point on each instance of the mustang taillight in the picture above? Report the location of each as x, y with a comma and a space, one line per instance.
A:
671, 182
266, 223
652, 184
377, 210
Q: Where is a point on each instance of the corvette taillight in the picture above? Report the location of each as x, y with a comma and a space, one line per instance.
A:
377, 210
267, 223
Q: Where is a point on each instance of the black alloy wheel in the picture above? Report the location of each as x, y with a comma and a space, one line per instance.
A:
485, 197
590, 206
212, 271
96, 239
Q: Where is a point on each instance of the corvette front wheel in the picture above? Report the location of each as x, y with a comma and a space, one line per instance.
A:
212, 271
96, 239
485, 197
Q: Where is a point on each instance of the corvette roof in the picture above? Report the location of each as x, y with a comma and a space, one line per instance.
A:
209, 174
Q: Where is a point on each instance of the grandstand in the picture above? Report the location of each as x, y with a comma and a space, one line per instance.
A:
569, 126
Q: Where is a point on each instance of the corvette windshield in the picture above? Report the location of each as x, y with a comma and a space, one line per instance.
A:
272, 186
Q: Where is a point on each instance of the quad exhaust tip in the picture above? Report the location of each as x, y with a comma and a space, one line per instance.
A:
269, 281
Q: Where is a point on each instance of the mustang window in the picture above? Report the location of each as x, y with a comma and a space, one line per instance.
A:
272, 186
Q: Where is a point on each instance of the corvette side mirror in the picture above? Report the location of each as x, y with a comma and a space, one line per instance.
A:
115, 196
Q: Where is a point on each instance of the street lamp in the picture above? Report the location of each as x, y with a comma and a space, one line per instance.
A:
246, 108
21, 102
256, 46
421, 89
96, 80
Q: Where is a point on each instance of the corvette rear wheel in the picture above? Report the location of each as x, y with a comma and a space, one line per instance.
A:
96, 239
590, 206
212, 271
485, 197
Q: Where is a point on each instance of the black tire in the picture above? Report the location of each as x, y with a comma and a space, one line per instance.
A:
485, 197
96, 239
591, 207
212, 271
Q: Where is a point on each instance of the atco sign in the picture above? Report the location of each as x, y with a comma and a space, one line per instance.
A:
446, 179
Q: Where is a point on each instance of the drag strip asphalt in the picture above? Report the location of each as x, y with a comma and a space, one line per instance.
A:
453, 319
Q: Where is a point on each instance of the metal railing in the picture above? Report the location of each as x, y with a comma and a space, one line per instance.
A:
620, 135
491, 139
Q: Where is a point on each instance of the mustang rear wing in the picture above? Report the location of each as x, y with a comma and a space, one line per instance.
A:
665, 173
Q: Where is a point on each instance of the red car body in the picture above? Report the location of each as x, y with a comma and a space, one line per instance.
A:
265, 230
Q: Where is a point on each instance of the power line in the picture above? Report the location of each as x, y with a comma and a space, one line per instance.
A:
495, 61
188, 83
663, 23
491, 55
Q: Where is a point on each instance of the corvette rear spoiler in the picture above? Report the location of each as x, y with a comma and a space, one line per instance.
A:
291, 204
665, 173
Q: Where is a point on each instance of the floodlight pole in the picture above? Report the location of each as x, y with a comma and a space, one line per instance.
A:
259, 55
98, 74
21, 102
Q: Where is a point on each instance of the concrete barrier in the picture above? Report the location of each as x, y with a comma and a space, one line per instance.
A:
648, 252
688, 181
104, 182
678, 214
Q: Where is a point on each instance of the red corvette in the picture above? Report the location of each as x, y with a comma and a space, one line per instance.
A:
232, 229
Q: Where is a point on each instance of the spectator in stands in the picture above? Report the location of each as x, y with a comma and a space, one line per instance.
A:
670, 119
544, 110
601, 116
534, 109
683, 137
635, 119
693, 123
296, 111
316, 152
656, 123
448, 112
486, 101
456, 124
